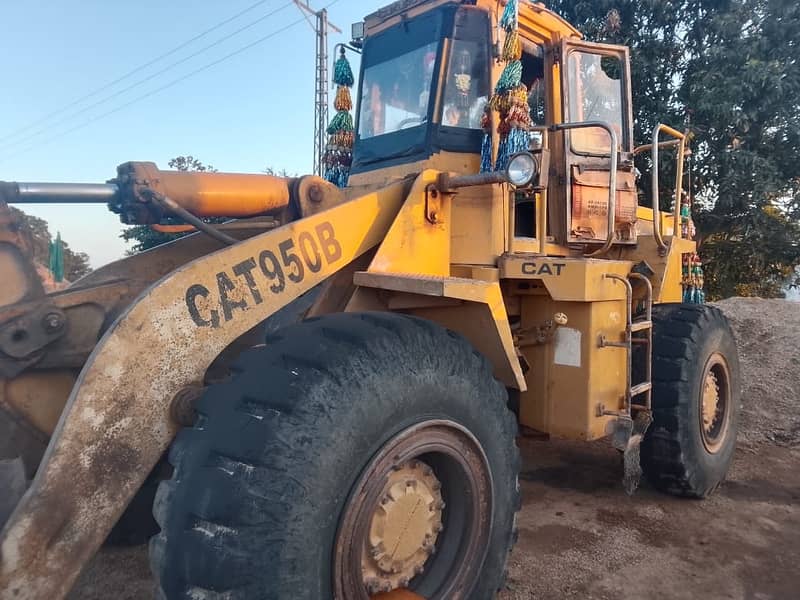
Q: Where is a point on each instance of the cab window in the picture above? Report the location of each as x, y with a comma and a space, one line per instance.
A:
466, 88
396, 92
596, 93
533, 78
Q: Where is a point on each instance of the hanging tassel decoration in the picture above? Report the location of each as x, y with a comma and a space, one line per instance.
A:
486, 145
342, 72
343, 100
341, 131
510, 78
510, 98
510, 16
343, 121
512, 48
692, 277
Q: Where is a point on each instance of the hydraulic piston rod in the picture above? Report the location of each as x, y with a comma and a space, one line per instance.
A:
56, 193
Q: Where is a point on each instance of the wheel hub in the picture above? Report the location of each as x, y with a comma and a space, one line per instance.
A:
404, 527
395, 536
710, 401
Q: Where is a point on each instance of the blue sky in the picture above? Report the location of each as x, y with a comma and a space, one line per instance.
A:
249, 112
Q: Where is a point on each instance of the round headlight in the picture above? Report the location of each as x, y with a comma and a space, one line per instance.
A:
522, 169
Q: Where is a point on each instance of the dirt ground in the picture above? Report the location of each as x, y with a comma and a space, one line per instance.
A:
581, 536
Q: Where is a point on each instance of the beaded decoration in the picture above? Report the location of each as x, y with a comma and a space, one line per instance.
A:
510, 99
341, 131
692, 266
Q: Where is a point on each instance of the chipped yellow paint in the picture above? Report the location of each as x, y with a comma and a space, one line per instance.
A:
117, 423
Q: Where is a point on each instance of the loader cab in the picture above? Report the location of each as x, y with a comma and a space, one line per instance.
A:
423, 86
427, 73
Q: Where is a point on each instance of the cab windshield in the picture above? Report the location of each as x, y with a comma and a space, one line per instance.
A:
399, 68
424, 84
396, 93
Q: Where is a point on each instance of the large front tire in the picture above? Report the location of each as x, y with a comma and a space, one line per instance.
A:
286, 485
696, 395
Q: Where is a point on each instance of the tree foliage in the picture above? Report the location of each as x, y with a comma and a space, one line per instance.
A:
76, 264
728, 70
143, 235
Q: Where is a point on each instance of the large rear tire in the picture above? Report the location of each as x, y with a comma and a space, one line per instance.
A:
350, 455
696, 395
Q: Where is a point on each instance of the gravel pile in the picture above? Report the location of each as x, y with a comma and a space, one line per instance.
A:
768, 336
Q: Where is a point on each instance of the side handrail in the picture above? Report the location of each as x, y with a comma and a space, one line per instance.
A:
648, 147
681, 143
541, 215
612, 185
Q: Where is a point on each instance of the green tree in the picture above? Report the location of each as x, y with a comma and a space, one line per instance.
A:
189, 163
143, 235
767, 248
76, 264
727, 70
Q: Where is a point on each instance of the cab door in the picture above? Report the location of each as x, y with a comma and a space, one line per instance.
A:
596, 86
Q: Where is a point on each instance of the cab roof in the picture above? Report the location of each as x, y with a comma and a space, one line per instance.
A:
533, 17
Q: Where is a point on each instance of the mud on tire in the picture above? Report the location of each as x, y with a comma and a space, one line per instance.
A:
262, 478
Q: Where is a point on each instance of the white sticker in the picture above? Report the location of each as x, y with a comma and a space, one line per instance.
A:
568, 347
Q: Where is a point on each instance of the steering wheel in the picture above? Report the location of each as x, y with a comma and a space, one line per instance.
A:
411, 121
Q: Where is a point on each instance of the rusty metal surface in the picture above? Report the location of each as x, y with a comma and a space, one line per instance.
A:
117, 422
632, 469
91, 304
31, 331
397, 595
20, 279
714, 401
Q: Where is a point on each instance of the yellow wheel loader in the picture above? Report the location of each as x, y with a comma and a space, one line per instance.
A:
326, 387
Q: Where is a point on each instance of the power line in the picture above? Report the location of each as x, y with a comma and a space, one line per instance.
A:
133, 71
162, 88
150, 77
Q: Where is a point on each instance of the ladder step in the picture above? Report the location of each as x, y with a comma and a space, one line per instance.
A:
641, 388
641, 326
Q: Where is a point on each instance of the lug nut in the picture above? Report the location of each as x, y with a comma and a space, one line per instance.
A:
52, 322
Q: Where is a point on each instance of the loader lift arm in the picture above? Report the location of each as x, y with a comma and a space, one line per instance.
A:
120, 416
117, 421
